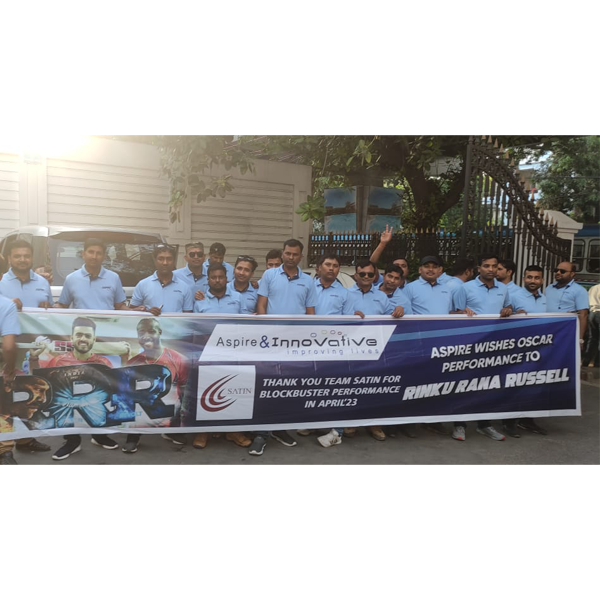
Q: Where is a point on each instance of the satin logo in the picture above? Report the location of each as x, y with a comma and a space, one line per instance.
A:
225, 392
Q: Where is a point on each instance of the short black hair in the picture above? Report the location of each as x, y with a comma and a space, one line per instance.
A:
394, 269
362, 263
486, 256
18, 244
149, 322
271, 254
248, 259
218, 249
160, 248
94, 242
535, 268
216, 267
194, 245
508, 264
328, 256
3, 265
83, 322
292, 243
462, 265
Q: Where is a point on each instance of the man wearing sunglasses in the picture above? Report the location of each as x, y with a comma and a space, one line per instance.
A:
567, 296
193, 273
367, 299
216, 255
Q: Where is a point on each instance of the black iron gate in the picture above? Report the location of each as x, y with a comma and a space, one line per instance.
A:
499, 215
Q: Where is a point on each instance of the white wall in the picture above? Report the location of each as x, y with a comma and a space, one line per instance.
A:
106, 183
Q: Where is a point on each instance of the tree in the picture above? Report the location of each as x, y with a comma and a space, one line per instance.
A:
570, 180
404, 162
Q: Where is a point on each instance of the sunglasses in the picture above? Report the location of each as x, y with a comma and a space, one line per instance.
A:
167, 246
562, 271
195, 254
365, 274
246, 257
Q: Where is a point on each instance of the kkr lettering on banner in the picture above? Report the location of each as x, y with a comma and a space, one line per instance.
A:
191, 373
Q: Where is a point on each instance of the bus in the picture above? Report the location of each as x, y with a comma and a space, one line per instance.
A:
586, 255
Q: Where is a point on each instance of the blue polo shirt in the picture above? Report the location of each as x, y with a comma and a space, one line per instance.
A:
399, 298
31, 293
481, 299
427, 299
569, 298
332, 300
287, 296
100, 293
228, 269
525, 300
444, 278
373, 302
200, 284
248, 298
9, 321
230, 303
176, 296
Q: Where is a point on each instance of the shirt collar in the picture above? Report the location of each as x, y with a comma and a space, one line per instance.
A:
335, 283
86, 273
564, 287
11, 275
422, 281
297, 276
529, 294
212, 296
482, 283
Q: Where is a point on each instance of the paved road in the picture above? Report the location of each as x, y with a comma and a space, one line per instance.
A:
572, 440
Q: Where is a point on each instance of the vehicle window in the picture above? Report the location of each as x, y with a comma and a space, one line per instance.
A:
578, 253
593, 263
132, 262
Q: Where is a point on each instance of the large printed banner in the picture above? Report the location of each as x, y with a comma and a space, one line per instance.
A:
110, 372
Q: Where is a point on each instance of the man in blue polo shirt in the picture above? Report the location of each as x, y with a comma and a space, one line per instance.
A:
567, 296
506, 271
393, 287
193, 272
21, 284
9, 330
527, 299
368, 300
216, 255
284, 290
400, 261
26, 289
242, 274
427, 295
163, 291
218, 298
483, 295
463, 270
93, 286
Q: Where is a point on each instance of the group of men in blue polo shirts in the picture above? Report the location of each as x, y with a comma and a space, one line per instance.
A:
214, 286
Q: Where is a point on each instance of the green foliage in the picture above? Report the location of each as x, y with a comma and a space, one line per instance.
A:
570, 181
